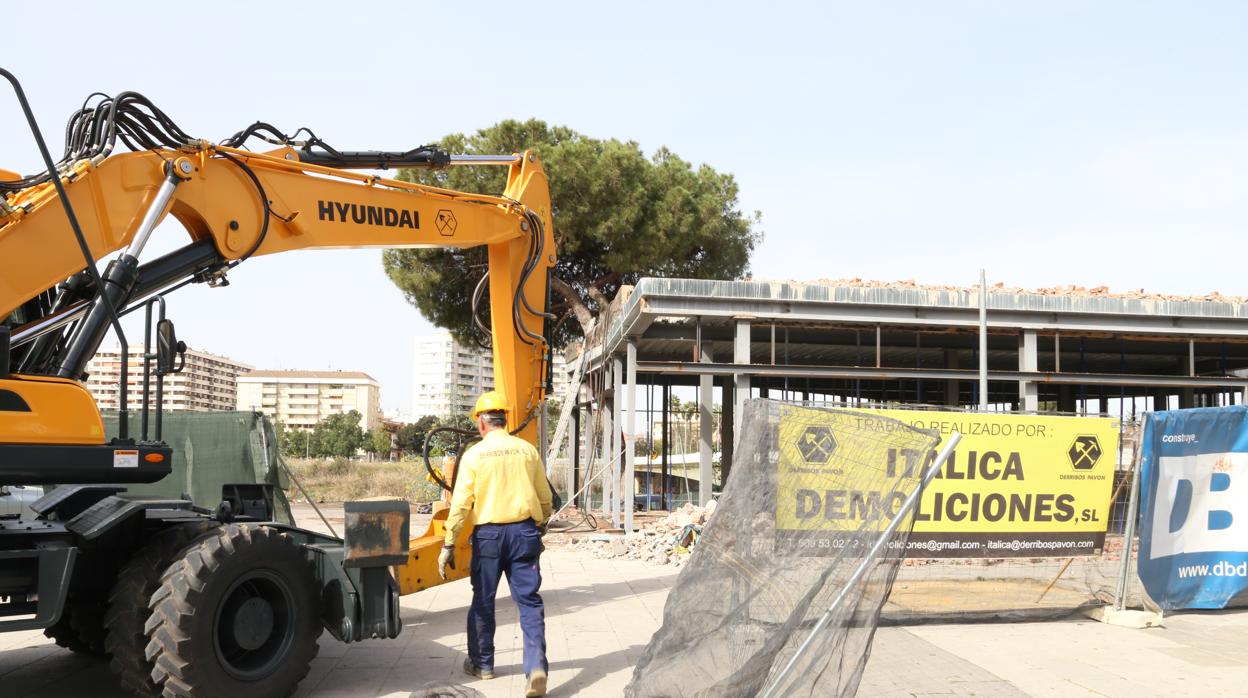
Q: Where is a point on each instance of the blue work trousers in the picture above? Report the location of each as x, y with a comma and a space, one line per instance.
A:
512, 549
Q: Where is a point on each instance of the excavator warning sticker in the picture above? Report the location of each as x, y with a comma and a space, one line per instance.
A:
125, 459
446, 222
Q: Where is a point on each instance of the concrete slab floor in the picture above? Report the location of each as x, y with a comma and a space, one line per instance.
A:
601, 614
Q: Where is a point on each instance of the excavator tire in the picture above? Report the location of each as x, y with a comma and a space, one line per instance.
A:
80, 629
236, 614
128, 611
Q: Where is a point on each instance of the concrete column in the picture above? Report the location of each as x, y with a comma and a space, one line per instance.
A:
617, 401
1028, 391
706, 430
1065, 399
1160, 400
951, 386
630, 434
727, 431
741, 382
607, 442
1187, 398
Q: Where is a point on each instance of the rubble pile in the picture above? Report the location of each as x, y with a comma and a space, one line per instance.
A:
667, 541
999, 287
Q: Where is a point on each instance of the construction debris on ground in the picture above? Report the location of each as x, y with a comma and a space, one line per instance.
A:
668, 541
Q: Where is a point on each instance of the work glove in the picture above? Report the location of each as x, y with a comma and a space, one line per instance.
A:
446, 560
541, 527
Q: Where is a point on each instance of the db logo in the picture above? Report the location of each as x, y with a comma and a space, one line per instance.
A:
1198, 507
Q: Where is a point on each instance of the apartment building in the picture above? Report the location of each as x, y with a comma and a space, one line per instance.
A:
448, 376
300, 399
207, 383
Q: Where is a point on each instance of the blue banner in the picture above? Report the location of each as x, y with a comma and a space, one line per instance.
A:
1194, 508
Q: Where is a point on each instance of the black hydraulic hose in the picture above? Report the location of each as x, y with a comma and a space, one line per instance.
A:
122, 418
477, 294
522, 331
465, 436
539, 246
264, 205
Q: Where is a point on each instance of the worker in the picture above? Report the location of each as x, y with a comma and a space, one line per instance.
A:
502, 484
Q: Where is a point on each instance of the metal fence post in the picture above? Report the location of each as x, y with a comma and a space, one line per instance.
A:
1133, 503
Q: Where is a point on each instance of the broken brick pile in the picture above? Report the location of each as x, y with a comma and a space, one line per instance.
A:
663, 542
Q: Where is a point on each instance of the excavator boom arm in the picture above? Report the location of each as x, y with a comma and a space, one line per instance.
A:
253, 204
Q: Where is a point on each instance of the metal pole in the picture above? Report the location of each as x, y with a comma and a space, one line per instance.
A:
1133, 502
983, 341
576, 451
665, 464
542, 444
867, 561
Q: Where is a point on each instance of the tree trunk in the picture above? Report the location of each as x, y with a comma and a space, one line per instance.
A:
584, 317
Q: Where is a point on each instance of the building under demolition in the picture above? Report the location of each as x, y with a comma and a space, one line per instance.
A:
855, 343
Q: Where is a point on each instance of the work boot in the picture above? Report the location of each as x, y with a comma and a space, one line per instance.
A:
486, 674
536, 685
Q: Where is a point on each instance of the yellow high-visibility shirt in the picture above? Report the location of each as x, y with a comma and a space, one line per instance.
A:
500, 480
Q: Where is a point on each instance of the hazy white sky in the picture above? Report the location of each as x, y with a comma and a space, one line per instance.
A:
1052, 143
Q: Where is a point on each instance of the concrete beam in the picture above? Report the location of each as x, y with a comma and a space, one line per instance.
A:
891, 374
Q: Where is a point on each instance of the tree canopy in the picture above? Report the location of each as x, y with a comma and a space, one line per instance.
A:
618, 216
338, 435
411, 437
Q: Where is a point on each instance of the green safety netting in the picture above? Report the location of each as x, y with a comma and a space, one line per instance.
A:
211, 449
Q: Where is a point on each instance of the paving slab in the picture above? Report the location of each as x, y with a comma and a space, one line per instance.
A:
1196, 654
601, 614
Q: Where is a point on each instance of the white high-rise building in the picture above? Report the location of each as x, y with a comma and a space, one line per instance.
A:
448, 376
206, 383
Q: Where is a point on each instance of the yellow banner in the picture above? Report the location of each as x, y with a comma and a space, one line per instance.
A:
1017, 484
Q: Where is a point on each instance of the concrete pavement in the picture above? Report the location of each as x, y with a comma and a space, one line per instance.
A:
1196, 654
601, 614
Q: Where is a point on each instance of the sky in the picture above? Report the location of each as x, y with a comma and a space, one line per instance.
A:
1048, 143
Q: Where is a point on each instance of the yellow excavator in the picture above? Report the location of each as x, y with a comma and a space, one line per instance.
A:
187, 599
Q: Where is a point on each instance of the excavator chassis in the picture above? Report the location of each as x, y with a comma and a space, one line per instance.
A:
105, 573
